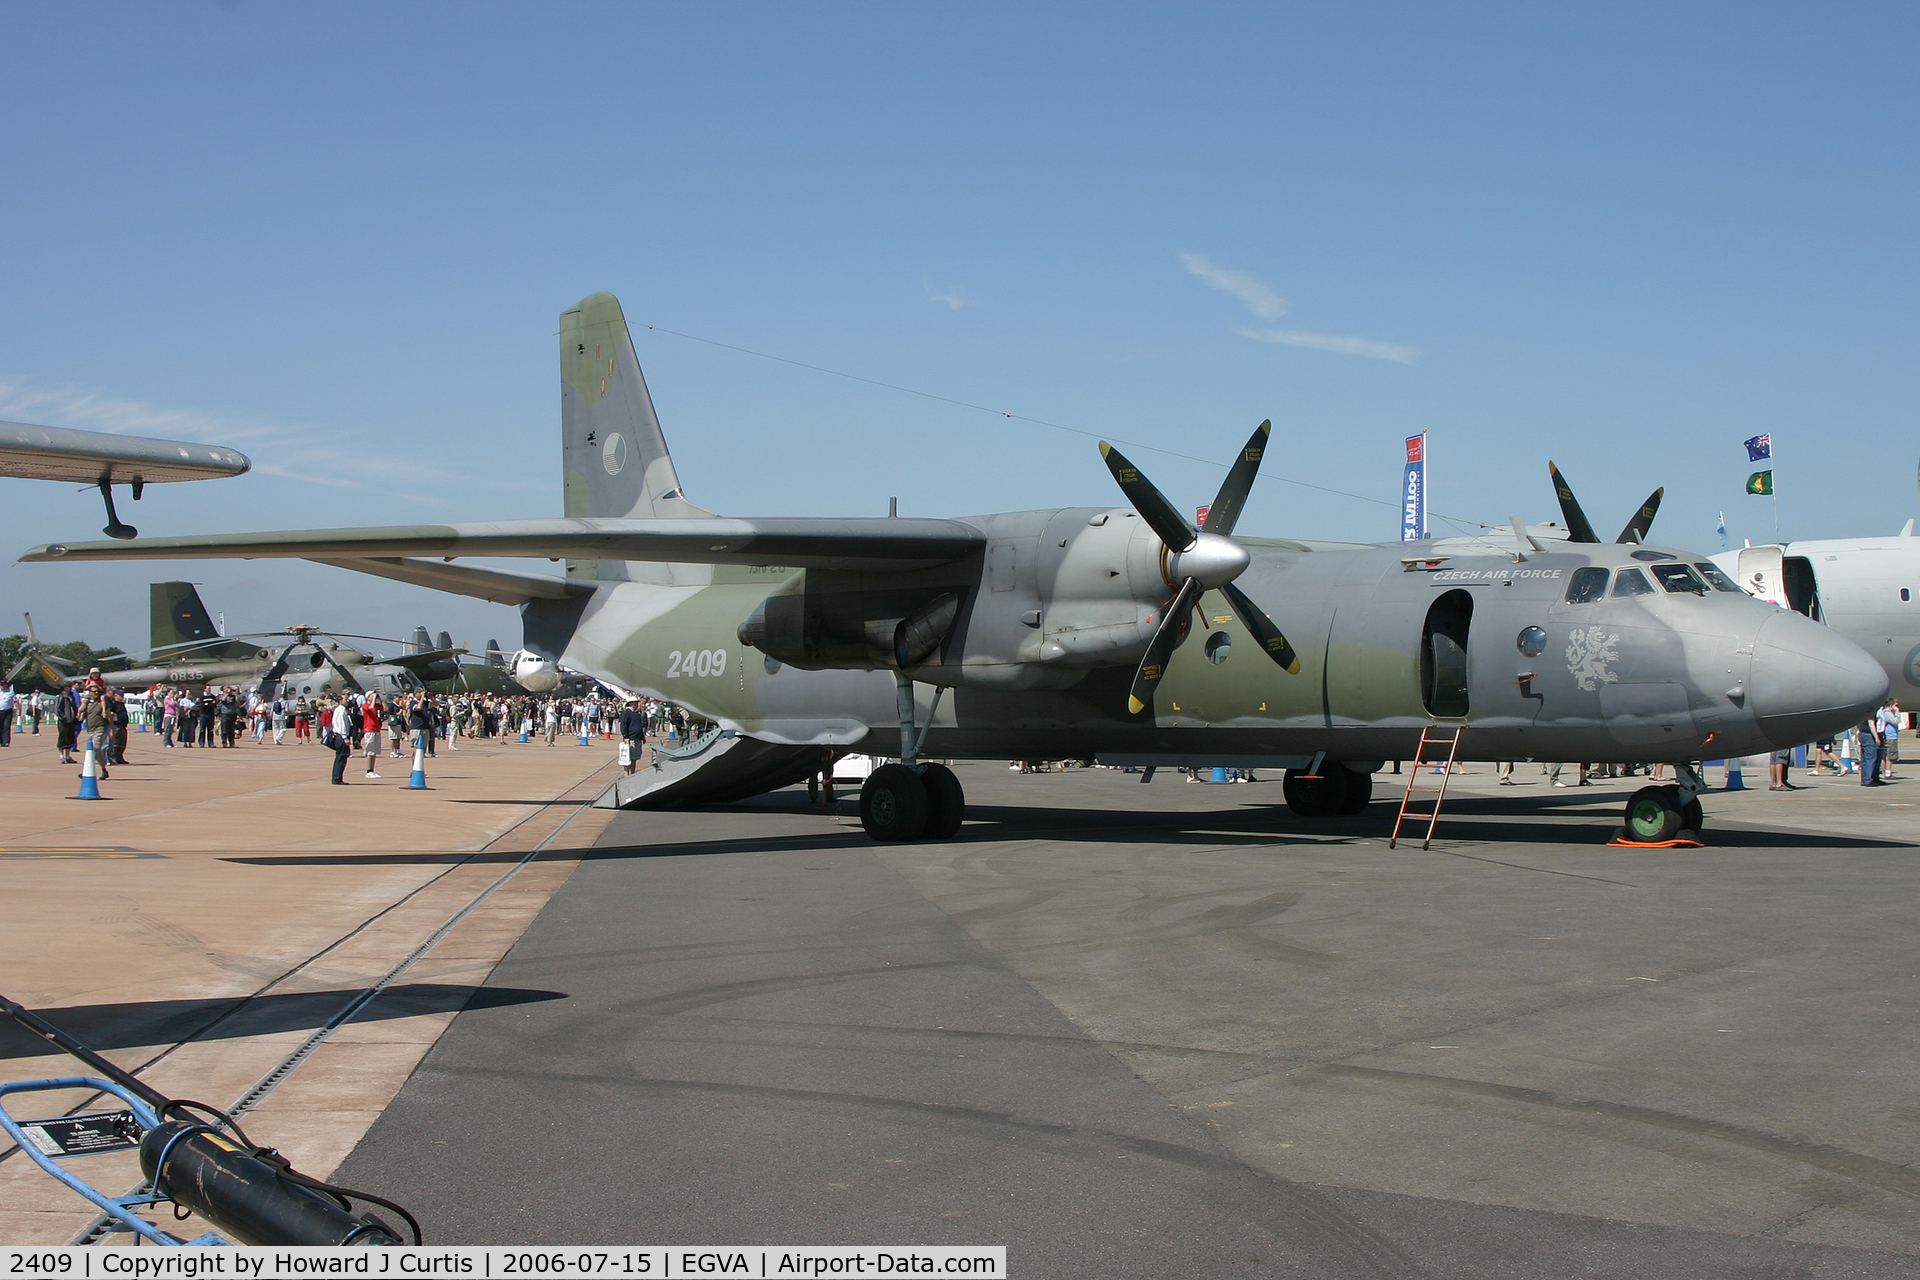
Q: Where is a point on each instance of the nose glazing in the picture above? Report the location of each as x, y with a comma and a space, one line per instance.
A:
1809, 681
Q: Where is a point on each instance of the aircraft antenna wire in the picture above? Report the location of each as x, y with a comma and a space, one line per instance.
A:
1459, 521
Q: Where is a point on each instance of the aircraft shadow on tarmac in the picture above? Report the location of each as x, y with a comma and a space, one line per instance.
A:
1554, 819
158, 1022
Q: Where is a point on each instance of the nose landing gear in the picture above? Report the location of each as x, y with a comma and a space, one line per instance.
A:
1658, 814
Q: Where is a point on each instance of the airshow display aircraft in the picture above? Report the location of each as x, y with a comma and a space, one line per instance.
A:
1867, 589
102, 460
1121, 634
188, 651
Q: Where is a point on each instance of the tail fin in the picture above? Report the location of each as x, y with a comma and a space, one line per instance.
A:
443, 641
615, 455
178, 618
421, 641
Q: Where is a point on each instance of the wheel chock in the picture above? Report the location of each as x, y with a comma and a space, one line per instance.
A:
1622, 839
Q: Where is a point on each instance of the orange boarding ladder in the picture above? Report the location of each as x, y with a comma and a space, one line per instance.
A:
1429, 737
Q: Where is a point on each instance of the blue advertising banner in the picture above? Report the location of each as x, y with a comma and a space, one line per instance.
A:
1413, 491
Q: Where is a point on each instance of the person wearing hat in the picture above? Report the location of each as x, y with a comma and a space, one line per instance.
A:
8, 701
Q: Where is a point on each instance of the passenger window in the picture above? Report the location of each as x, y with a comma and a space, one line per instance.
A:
1720, 581
1679, 579
1588, 584
1631, 582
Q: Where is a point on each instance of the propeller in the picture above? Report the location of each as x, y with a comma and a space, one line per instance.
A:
34, 653
1200, 560
1580, 529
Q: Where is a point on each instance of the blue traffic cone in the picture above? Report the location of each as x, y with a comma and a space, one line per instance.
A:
89, 776
418, 782
1734, 781
583, 734
1219, 773
525, 727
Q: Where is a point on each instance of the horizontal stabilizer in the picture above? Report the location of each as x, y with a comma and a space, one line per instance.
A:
875, 545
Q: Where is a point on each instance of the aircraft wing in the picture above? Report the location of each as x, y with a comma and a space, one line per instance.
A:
88, 457
878, 544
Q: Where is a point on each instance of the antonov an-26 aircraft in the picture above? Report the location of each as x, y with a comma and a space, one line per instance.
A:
1120, 634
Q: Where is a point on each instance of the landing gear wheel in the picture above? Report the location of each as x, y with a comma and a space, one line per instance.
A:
1320, 797
893, 804
946, 802
1654, 814
1692, 817
1359, 791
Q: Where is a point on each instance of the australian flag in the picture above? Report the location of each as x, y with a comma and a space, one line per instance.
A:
1759, 447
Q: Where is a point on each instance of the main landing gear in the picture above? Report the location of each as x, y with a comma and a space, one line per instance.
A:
910, 800
1333, 790
1655, 814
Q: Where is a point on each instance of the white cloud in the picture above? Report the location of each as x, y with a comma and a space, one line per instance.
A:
1342, 343
1268, 305
1260, 300
951, 297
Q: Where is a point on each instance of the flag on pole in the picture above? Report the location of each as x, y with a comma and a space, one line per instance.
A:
1413, 491
1723, 528
1760, 448
1760, 482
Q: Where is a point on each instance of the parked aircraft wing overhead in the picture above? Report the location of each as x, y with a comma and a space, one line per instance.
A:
876, 545
88, 457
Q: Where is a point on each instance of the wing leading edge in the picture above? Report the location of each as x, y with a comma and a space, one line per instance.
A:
879, 544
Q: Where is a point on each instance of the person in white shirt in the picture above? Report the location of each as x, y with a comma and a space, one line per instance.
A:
8, 701
341, 743
1890, 719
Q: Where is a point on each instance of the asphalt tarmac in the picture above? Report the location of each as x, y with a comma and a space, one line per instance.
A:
1132, 1031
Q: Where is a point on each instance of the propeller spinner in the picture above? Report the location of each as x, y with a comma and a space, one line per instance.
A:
1199, 560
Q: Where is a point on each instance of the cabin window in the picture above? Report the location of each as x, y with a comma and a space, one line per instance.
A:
1903, 593
1587, 585
1631, 582
1718, 580
1679, 579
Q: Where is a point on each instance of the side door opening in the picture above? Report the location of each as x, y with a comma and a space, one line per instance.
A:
1803, 589
1443, 655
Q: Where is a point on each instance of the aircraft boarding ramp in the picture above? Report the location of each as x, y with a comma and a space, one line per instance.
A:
718, 768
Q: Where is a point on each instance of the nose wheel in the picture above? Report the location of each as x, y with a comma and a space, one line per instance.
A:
1662, 813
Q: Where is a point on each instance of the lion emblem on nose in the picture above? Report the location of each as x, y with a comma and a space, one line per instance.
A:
1588, 653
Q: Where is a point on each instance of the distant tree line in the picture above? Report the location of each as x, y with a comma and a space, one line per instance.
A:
13, 648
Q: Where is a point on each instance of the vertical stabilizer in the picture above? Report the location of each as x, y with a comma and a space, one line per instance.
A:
179, 618
615, 457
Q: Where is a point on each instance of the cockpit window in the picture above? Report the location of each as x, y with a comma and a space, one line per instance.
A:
1631, 582
1679, 579
1588, 584
1720, 581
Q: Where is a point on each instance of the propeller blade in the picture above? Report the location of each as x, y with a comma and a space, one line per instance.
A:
344, 673
1636, 530
56, 659
1160, 515
1153, 664
276, 671
1263, 630
1579, 529
1228, 503
33, 641
19, 666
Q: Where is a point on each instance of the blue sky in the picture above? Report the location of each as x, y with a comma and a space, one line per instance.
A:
338, 237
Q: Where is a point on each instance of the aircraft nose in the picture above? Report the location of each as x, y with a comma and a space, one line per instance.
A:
1809, 681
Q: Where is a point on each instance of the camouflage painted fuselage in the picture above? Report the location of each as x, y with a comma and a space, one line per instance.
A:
1655, 677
